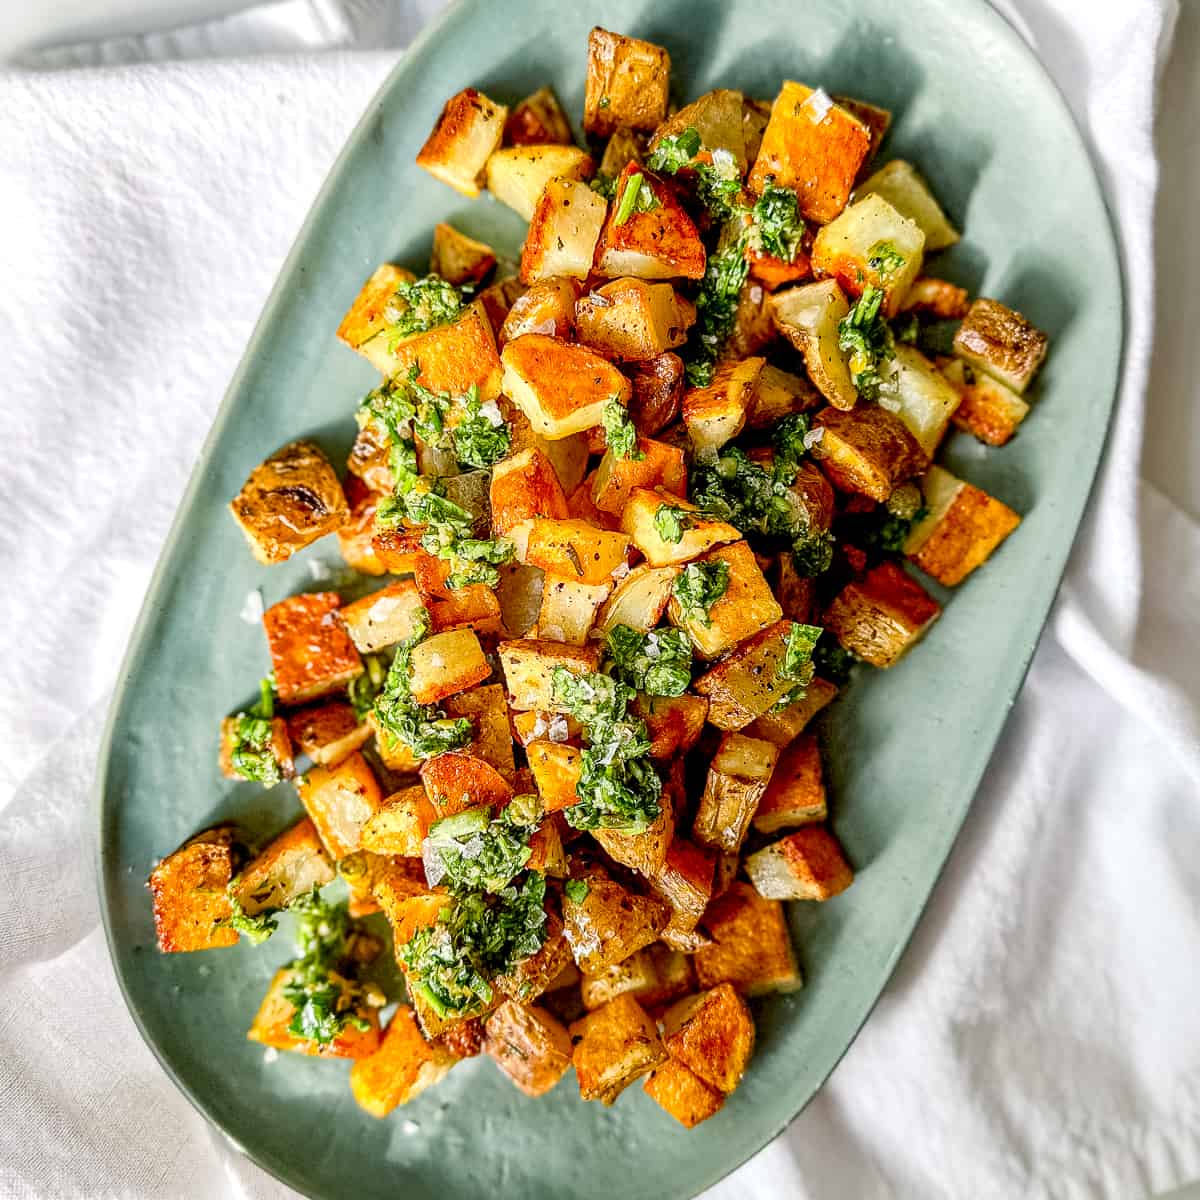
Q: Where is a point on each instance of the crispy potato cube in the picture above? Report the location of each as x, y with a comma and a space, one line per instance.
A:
901, 185
538, 121
409, 905
401, 1069
636, 976
451, 358
533, 975
877, 120
796, 792
680, 1092
878, 617
925, 400
633, 320
476, 606
779, 394
548, 307
310, 652
518, 175
747, 606
356, 536
569, 609
751, 947
627, 82
191, 908
643, 852
814, 146
660, 466
383, 618
560, 387
529, 664
772, 272
289, 501
657, 393
685, 882
281, 747
808, 317
713, 1034
658, 242
556, 769
529, 1045
289, 866
397, 550
525, 486
674, 722
275, 1014
717, 413
717, 118
639, 600
576, 550
1001, 343
871, 245
614, 1046
447, 663
737, 779
746, 682
868, 450
457, 781
535, 726
699, 534
327, 732
806, 865
486, 709
366, 872
564, 227
340, 800
466, 135
459, 258
785, 725
988, 408
367, 318
400, 824
610, 923
940, 299
962, 529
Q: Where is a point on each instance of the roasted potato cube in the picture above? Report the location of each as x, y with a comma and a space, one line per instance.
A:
623, 148
988, 408
614, 1046
538, 121
409, 905
610, 923
466, 135
327, 732
529, 664
674, 722
796, 793
924, 400
784, 725
447, 663
747, 606
486, 709
564, 227
401, 1069
569, 609
751, 947
1001, 343
655, 240
639, 600
963, 526
635, 976
576, 550
871, 245
699, 533
556, 769
191, 908
633, 320
519, 175
867, 450
660, 466
356, 536
627, 82
529, 1045
548, 307
400, 824
814, 146
451, 358
476, 606
940, 299
717, 413
753, 327
560, 387
713, 1034
459, 258
717, 118
289, 502
382, 618
289, 866
901, 185
365, 872
746, 682
737, 779
806, 865
275, 1014
646, 851
281, 748
498, 298
367, 317
685, 881
680, 1092
533, 975
755, 115
808, 316
779, 394
657, 393
877, 120
878, 617
525, 486
310, 653
457, 781
535, 726
340, 800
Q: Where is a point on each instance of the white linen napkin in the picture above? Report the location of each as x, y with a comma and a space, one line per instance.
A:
1040, 1037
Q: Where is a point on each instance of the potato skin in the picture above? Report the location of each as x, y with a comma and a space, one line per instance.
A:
537, 121
627, 82
327, 732
880, 616
529, 1045
657, 393
457, 781
746, 683
1000, 342
188, 891
610, 923
867, 450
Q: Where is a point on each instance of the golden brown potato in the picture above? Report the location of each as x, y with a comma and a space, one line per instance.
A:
289, 866
699, 534
746, 682
547, 307
657, 393
808, 316
191, 909
1001, 343
649, 240
367, 317
737, 779
538, 120
796, 793
938, 298
674, 722
311, 654
529, 1045
450, 358
683, 1094
459, 258
901, 185
712, 1034
685, 881
401, 1069
289, 501
610, 923
367, 873
486, 709
878, 617
569, 609
564, 228
525, 486
476, 606
806, 865
533, 975
457, 781
446, 663
630, 319
814, 146
778, 394
622, 148
576, 550
717, 413
988, 408
383, 618
639, 600
751, 947
784, 725
400, 824
627, 82
717, 118
340, 800
518, 175
466, 134
270, 1027
355, 538
635, 976
497, 298
867, 450
327, 732
643, 852
660, 466
877, 120
529, 665
614, 1046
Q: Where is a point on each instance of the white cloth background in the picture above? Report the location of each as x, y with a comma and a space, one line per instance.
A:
1041, 1036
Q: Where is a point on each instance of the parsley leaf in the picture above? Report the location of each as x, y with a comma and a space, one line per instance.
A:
776, 223
831, 661
716, 306
576, 890
252, 754
421, 305
884, 259
863, 333
670, 521
620, 434
675, 151
699, 586
658, 663
636, 196
604, 185
797, 666
258, 929
364, 688
482, 438
475, 853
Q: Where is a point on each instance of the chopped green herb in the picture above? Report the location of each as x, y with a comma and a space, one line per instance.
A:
718, 180
863, 333
636, 196
421, 305
831, 661
576, 890
252, 754
603, 102
812, 553
884, 259
363, 689
699, 586
885, 529
620, 434
776, 223
482, 438
658, 663
604, 185
797, 666
907, 329
675, 151
670, 521
716, 305
472, 852
258, 929
788, 440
